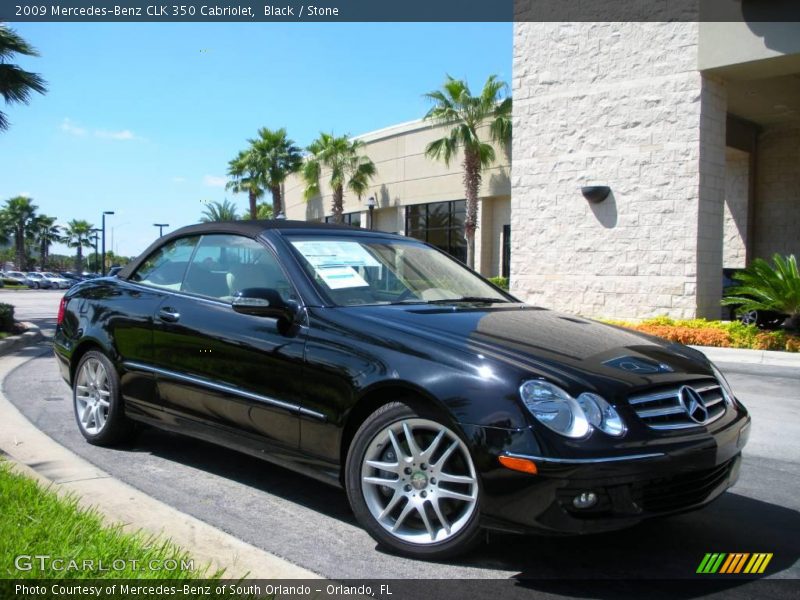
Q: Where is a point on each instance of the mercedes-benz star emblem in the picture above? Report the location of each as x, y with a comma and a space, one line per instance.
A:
693, 404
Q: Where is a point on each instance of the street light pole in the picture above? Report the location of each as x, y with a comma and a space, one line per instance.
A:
103, 268
160, 228
96, 238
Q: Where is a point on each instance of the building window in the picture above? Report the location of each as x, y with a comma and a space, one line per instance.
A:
441, 224
505, 269
353, 219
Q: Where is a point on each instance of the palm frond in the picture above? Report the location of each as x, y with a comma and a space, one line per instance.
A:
763, 286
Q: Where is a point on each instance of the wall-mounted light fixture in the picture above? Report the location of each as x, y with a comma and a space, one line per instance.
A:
595, 193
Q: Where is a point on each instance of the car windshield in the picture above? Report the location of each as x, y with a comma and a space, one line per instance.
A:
357, 271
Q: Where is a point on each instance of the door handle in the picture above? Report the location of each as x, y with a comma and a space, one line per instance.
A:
168, 314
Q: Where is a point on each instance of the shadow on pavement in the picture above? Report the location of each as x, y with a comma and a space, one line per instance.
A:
666, 548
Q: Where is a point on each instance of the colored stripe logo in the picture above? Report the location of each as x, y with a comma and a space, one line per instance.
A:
734, 563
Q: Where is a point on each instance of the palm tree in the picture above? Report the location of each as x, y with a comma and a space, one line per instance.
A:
348, 168
769, 288
278, 157
19, 215
263, 212
247, 178
77, 236
264, 165
219, 211
454, 105
46, 233
16, 84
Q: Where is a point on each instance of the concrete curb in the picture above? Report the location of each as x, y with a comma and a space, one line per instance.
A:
755, 357
66, 472
13, 343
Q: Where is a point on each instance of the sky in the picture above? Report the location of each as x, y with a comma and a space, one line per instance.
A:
142, 119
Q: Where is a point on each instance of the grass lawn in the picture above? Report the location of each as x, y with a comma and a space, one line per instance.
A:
35, 521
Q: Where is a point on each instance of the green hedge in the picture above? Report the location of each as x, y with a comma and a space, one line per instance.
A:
501, 282
6, 317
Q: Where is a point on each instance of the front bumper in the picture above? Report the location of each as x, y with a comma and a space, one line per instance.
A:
628, 487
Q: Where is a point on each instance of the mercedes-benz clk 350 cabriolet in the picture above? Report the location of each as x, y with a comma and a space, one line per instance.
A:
375, 362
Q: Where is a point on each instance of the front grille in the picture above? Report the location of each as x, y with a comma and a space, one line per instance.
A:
681, 491
664, 410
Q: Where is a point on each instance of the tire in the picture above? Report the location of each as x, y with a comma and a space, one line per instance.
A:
749, 317
97, 403
429, 509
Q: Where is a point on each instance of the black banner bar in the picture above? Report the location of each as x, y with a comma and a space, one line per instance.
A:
736, 587
397, 10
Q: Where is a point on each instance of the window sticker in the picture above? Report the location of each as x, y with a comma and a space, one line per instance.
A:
338, 278
324, 253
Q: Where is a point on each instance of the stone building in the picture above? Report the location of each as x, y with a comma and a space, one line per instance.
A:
694, 127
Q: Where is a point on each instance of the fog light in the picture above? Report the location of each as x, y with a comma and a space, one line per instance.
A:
585, 500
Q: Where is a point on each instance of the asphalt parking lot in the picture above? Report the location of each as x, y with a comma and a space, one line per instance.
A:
311, 524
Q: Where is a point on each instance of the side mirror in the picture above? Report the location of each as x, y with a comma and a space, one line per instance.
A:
264, 302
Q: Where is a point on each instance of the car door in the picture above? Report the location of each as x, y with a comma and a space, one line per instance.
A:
222, 369
136, 300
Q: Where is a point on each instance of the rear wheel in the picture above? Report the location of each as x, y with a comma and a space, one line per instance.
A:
412, 483
749, 317
96, 399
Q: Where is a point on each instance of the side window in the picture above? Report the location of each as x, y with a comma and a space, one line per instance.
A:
166, 266
226, 264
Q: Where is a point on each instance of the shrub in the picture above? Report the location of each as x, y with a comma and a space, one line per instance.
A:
722, 334
768, 287
501, 282
6, 317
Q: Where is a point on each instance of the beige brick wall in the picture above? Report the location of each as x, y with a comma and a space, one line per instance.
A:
777, 210
618, 104
737, 182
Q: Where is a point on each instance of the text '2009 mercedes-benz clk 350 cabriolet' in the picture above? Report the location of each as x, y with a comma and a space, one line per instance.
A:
440, 403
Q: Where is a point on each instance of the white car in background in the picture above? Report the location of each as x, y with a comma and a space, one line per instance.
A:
36, 280
57, 281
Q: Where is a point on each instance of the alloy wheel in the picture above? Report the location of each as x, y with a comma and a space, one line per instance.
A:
92, 396
419, 482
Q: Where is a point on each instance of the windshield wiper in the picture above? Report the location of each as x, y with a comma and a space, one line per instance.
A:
482, 299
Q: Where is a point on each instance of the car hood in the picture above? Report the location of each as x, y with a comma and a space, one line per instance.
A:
571, 349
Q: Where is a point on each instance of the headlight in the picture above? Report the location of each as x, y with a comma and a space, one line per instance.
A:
727, 393
601, 414
557, 410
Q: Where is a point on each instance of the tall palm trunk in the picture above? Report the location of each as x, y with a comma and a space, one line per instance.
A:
79, 257
337, 209
251, 195
277, 200
19, 241
472, 184
43, 253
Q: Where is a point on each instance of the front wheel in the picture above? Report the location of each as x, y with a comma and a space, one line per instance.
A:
97, 402
412, 483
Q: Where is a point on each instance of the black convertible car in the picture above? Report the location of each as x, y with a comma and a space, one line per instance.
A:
376, 362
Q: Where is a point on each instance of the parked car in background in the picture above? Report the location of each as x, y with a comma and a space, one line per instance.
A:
766, 319
57, 281
375, 362
71, 277
15, 277
37, 280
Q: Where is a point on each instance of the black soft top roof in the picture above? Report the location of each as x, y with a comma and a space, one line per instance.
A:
247, 228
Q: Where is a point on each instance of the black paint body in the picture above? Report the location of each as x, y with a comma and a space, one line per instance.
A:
296, 395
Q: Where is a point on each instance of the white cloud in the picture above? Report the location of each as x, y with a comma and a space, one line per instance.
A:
123, 135
67, 126
214, 181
